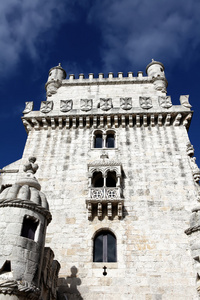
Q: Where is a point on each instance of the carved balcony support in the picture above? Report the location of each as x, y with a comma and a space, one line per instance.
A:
99, 210
109, 207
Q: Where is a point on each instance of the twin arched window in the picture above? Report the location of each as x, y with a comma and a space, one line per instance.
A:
105, 249
104, 140
110, 180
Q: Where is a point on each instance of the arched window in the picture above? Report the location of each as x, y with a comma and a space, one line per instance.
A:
105, 247
98, 140
110, 140
97, 180
104, 139
111, 179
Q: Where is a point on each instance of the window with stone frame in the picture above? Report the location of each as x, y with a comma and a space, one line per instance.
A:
104, 188
104, 139
105, 249
29, 227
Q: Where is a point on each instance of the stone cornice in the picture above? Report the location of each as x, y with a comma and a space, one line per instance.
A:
113, 118
27, 205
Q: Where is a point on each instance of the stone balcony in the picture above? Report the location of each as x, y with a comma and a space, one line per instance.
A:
104, 199
105, 194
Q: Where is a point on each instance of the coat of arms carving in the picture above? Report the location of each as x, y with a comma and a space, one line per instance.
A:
66, 105
145, 102
46, 106
165, 101
28, 107
86, 104
126, 103
106, 103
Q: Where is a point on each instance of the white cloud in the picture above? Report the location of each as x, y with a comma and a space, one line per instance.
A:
136, 31
22, 24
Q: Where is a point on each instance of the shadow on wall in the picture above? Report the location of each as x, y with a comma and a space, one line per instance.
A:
67, 287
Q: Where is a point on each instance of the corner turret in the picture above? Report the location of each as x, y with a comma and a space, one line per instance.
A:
56, 75
24, 216
155, 69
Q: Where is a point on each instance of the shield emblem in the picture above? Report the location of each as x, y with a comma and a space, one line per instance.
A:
66, 105
145, 102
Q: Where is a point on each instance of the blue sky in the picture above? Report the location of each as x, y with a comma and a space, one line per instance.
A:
93, 36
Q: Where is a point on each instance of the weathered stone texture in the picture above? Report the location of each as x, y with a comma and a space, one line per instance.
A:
154, 260
153, 257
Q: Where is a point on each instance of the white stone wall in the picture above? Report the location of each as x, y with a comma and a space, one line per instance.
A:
153, 254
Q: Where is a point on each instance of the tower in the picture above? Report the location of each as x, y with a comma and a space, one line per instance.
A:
118, 170
24, 216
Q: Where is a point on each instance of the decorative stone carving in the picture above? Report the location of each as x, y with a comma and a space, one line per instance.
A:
195, 169
119, 210
46, 106
187, 120
190, 149
99, 210
66, 105
126, 103
28, 107
165, 101
145, 102
184, 100
109, 207
106, 103
86, 104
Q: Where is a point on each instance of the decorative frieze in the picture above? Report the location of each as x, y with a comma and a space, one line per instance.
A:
109, 121
145, 102
165, 101
86, 104
46, 106
106, 103
66, 105
126, 103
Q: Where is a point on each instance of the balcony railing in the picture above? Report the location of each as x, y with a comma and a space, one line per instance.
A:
107, 193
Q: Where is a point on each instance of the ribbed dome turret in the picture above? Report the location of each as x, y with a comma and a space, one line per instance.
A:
26, 192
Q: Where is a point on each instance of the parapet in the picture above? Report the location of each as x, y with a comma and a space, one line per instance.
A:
154, 70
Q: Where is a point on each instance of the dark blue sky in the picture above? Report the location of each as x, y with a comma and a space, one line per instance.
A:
91, 37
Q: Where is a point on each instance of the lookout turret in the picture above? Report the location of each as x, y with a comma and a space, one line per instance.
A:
155, 69
56, 75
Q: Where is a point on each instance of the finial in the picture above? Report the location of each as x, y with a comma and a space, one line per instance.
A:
59, 64
152, 59
30, 167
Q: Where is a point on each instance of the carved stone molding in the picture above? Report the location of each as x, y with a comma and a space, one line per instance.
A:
145, 102
165, 101
86, 104
109, 121
46, 106
66, 105
126, 103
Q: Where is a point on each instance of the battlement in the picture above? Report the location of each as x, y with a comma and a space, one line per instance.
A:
154, 70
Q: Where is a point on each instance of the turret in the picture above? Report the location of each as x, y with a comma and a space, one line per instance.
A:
24, 216
56, 75
156, 70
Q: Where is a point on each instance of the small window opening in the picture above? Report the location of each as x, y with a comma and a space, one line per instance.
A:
6, 267
111, 179
29, 227
98, 141
97, 180
110, 141
105, 247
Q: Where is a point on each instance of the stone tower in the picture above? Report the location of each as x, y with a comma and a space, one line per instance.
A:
119, 173
24, 216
